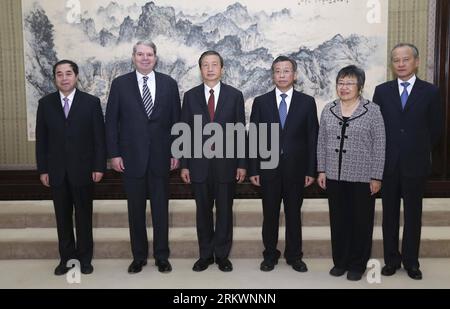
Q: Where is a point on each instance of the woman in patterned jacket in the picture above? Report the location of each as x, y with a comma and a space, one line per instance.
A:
350, 155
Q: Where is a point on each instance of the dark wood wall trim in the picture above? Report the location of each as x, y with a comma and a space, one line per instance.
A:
441, 156
25, 185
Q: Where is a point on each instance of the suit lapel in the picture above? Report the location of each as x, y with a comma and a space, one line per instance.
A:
75, 104
200, 94
57, 104
273, 109
295, 103
415, 94
360, 110
221, 101
160, 90
396, 95
134, 86
336, 110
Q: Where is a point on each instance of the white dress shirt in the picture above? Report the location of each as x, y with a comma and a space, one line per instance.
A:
151, 83
216, 89
70, 97
288, 99
411, 82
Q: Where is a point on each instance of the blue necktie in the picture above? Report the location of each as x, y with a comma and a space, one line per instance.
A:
404, 96
283, 110
147, 98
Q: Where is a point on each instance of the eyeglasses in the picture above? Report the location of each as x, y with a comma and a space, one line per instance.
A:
341, 84
285, 72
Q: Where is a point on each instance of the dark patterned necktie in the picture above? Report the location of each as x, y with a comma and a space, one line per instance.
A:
147, 98
211, 103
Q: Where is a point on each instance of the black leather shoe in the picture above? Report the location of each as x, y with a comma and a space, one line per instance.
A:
298, 265
202, 264
87, 269
163, 266
268, 265
414, 273
337, 272
136, 266
354, 275
389, 270
225, 265
61, 269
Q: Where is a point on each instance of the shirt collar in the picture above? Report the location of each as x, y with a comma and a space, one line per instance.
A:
140, 76
411, 81
70, 96
289, 92
216, 88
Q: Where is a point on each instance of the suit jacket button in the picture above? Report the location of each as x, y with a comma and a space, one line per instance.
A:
337, 150
340, 123
344, 151
338, 137
346, 137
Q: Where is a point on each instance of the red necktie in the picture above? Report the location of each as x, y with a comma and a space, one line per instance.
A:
211, 103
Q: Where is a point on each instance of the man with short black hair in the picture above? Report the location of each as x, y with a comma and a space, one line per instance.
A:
71, 157
296, 115
214, 180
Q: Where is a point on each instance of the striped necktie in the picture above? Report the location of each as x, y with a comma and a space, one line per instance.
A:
147, 98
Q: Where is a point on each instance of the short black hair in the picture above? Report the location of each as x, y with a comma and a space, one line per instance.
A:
72, 64
353, 71
210, 53
283, 59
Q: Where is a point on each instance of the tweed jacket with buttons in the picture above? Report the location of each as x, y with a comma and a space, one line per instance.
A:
352, 150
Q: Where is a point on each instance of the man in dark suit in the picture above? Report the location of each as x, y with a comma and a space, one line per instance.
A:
142, 107
412, 115
214, 179
71, 156
296, 116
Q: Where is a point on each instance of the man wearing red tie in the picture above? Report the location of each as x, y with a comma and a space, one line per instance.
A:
213, 180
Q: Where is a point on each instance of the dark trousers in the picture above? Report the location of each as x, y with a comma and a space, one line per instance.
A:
138, 189
274, 191
351, 220
214, 240
66, 197
411, 190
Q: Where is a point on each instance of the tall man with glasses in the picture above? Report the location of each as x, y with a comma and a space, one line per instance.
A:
142, 107
412, 113
296, 115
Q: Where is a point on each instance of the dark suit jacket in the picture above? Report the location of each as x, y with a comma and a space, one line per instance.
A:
230, 109
298, 139
410, 133
134, 137
75, 145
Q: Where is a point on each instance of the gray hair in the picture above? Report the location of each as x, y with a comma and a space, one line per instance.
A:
413, 47
147, 43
